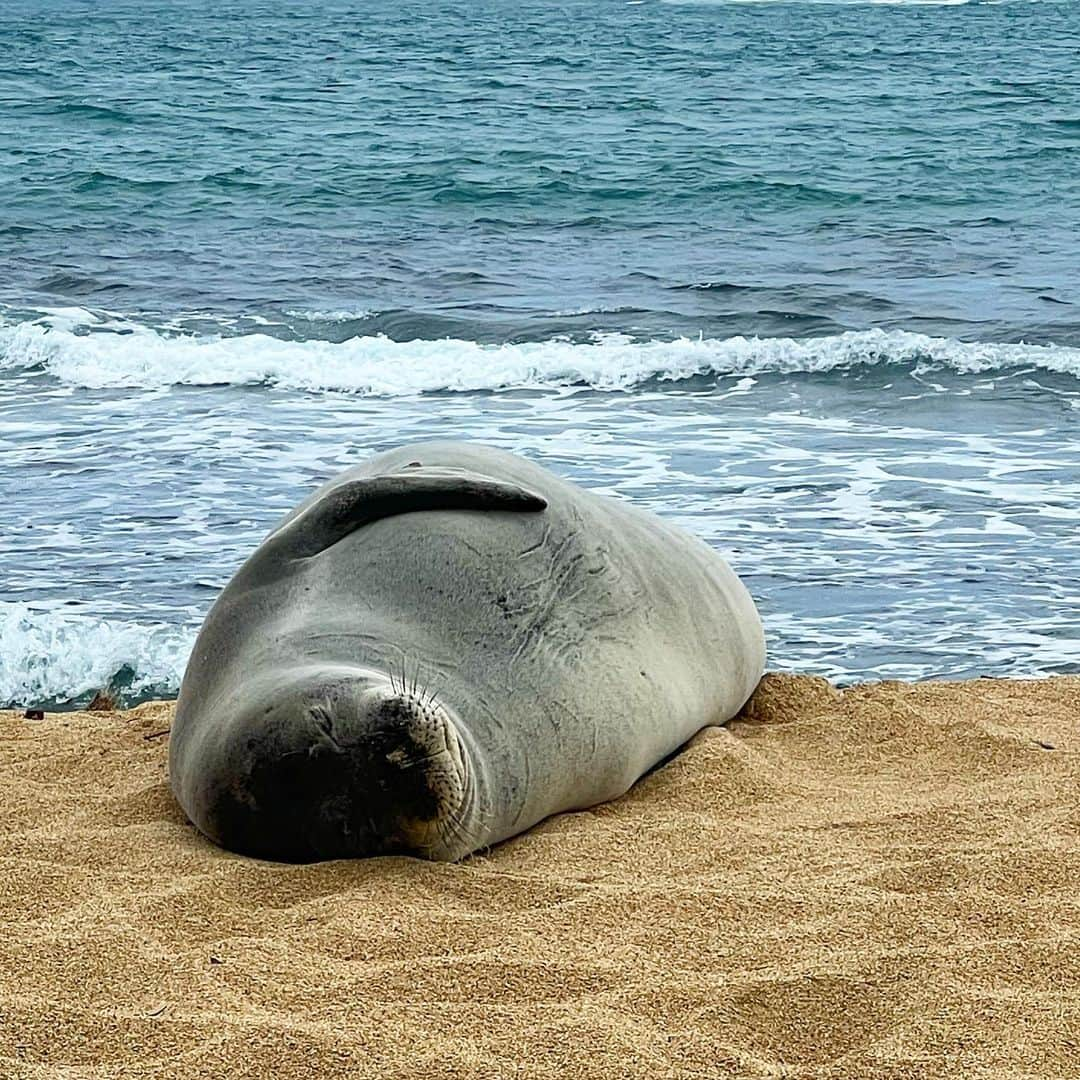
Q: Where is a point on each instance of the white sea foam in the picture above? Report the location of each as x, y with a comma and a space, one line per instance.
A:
332, 315
84, 350
58, 656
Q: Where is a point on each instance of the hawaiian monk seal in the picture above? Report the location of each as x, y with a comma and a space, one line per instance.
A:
440, 648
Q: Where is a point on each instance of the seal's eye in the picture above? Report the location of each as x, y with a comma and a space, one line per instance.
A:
413, 465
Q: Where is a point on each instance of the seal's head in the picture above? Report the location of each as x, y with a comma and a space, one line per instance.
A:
335, 763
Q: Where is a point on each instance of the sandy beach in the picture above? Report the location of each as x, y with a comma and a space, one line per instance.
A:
879, 882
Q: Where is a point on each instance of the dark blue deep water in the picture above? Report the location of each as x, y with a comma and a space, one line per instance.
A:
802, 276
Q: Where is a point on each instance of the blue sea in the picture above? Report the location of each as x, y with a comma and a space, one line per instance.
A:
803, 277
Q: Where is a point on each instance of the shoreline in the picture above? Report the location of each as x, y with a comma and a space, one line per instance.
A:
880, 880
841, 687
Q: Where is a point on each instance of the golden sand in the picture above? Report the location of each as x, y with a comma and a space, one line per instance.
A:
883, 882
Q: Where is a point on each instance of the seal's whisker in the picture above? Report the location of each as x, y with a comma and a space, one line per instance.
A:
403, 690
452, 828
425, 693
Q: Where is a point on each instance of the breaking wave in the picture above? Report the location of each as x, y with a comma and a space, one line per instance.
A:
86, 350
49, 657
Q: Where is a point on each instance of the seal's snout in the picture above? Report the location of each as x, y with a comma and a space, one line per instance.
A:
340, 772
415, 758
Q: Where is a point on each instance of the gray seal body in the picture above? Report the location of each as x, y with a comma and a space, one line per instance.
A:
440, 648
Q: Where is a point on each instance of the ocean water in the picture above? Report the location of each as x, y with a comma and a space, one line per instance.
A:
801, 276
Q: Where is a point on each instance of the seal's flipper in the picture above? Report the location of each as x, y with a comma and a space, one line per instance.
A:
355, 503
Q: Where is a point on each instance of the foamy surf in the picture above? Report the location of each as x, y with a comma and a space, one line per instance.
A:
51, 656
86, 350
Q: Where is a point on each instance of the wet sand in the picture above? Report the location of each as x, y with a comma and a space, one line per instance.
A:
883, 882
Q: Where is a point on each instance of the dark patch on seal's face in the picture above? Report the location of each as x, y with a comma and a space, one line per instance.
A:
322, 785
